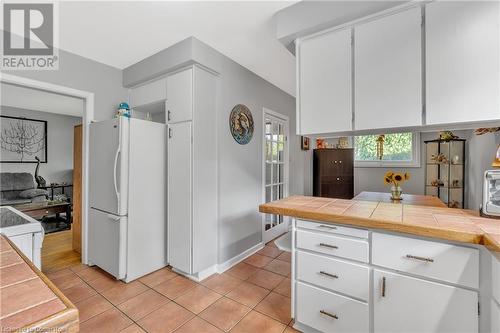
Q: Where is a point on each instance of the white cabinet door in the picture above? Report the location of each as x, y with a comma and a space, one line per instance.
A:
179, 196
388, 71
24, 243
406, 304
148, 93
462, 61
324, 76
180, 96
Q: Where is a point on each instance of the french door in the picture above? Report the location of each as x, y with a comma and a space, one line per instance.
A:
275, 171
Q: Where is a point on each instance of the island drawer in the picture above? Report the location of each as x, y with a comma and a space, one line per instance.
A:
333, 229
329, 312
446, 262
333, 274
333, 245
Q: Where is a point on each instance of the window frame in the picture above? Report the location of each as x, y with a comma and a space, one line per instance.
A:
413, 163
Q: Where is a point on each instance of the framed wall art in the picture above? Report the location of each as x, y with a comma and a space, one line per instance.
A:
22, 139
305, 143
241, 124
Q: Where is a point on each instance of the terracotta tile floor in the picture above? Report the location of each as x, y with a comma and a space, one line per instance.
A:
253, 296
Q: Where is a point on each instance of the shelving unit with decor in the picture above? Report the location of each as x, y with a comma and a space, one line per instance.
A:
445, 171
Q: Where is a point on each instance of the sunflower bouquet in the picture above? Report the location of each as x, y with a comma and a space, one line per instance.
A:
395, 179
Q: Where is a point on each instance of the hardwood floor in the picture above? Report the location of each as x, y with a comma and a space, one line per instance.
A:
57, 252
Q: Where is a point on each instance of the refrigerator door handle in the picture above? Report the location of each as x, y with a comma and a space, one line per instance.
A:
114, 172
113, 217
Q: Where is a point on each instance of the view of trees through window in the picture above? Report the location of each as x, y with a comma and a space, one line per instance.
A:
397, 147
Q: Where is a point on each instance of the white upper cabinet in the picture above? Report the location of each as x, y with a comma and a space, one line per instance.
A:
388, 71
462, 61
149, 93
180, 96
324, 90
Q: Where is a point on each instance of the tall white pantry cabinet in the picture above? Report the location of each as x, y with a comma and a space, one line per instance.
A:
192, 171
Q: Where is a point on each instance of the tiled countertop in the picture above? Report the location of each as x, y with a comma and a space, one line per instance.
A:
28, 300
437, 222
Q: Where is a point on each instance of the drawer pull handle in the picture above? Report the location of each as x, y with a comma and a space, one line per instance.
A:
409, 256
328, 274
331, 315
327, 227
328, 246
383, 286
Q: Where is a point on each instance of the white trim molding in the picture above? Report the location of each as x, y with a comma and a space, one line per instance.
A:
221, 268
88, 116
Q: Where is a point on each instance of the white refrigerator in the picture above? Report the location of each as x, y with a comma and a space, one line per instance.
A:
127, 222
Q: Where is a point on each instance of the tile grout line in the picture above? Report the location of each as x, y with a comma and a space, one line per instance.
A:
174, 301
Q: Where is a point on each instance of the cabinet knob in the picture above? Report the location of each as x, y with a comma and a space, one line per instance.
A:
383, 286
170, 133
338, 178
340, 162
335, 161
168, 115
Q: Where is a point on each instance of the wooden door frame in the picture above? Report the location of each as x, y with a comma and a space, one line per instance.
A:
88, 116
286, 119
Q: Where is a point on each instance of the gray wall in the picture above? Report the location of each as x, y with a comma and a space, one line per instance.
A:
479, 150
59, 166
371, 179
84, 74
240, 166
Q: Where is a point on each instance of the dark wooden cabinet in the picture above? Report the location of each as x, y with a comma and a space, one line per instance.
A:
333, 173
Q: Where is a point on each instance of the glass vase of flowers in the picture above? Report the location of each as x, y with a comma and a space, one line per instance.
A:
395, 179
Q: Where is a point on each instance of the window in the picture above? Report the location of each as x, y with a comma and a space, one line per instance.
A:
389, 150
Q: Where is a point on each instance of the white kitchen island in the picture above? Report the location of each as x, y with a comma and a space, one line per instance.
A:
360, 266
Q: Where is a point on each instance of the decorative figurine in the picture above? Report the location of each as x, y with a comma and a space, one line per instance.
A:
123, 110
40, 181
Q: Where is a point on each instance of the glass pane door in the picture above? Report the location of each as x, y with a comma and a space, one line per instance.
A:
275, 168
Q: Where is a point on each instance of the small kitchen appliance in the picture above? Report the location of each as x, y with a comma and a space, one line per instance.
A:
491, 194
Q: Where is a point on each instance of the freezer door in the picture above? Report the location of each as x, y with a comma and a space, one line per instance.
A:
107, 242
106, 172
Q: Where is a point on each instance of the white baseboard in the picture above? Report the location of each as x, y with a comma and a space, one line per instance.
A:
200, 276
221, 268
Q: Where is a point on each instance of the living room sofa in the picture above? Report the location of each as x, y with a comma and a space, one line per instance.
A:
19, 188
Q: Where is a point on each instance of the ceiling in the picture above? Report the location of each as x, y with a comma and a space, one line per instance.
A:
122, 33
38, 100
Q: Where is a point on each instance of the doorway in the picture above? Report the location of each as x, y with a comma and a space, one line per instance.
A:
39, 150
275, 171
88, 115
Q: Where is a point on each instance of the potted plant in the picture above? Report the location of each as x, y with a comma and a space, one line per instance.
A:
395, 179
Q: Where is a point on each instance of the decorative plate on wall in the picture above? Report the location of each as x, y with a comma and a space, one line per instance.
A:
241, 124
